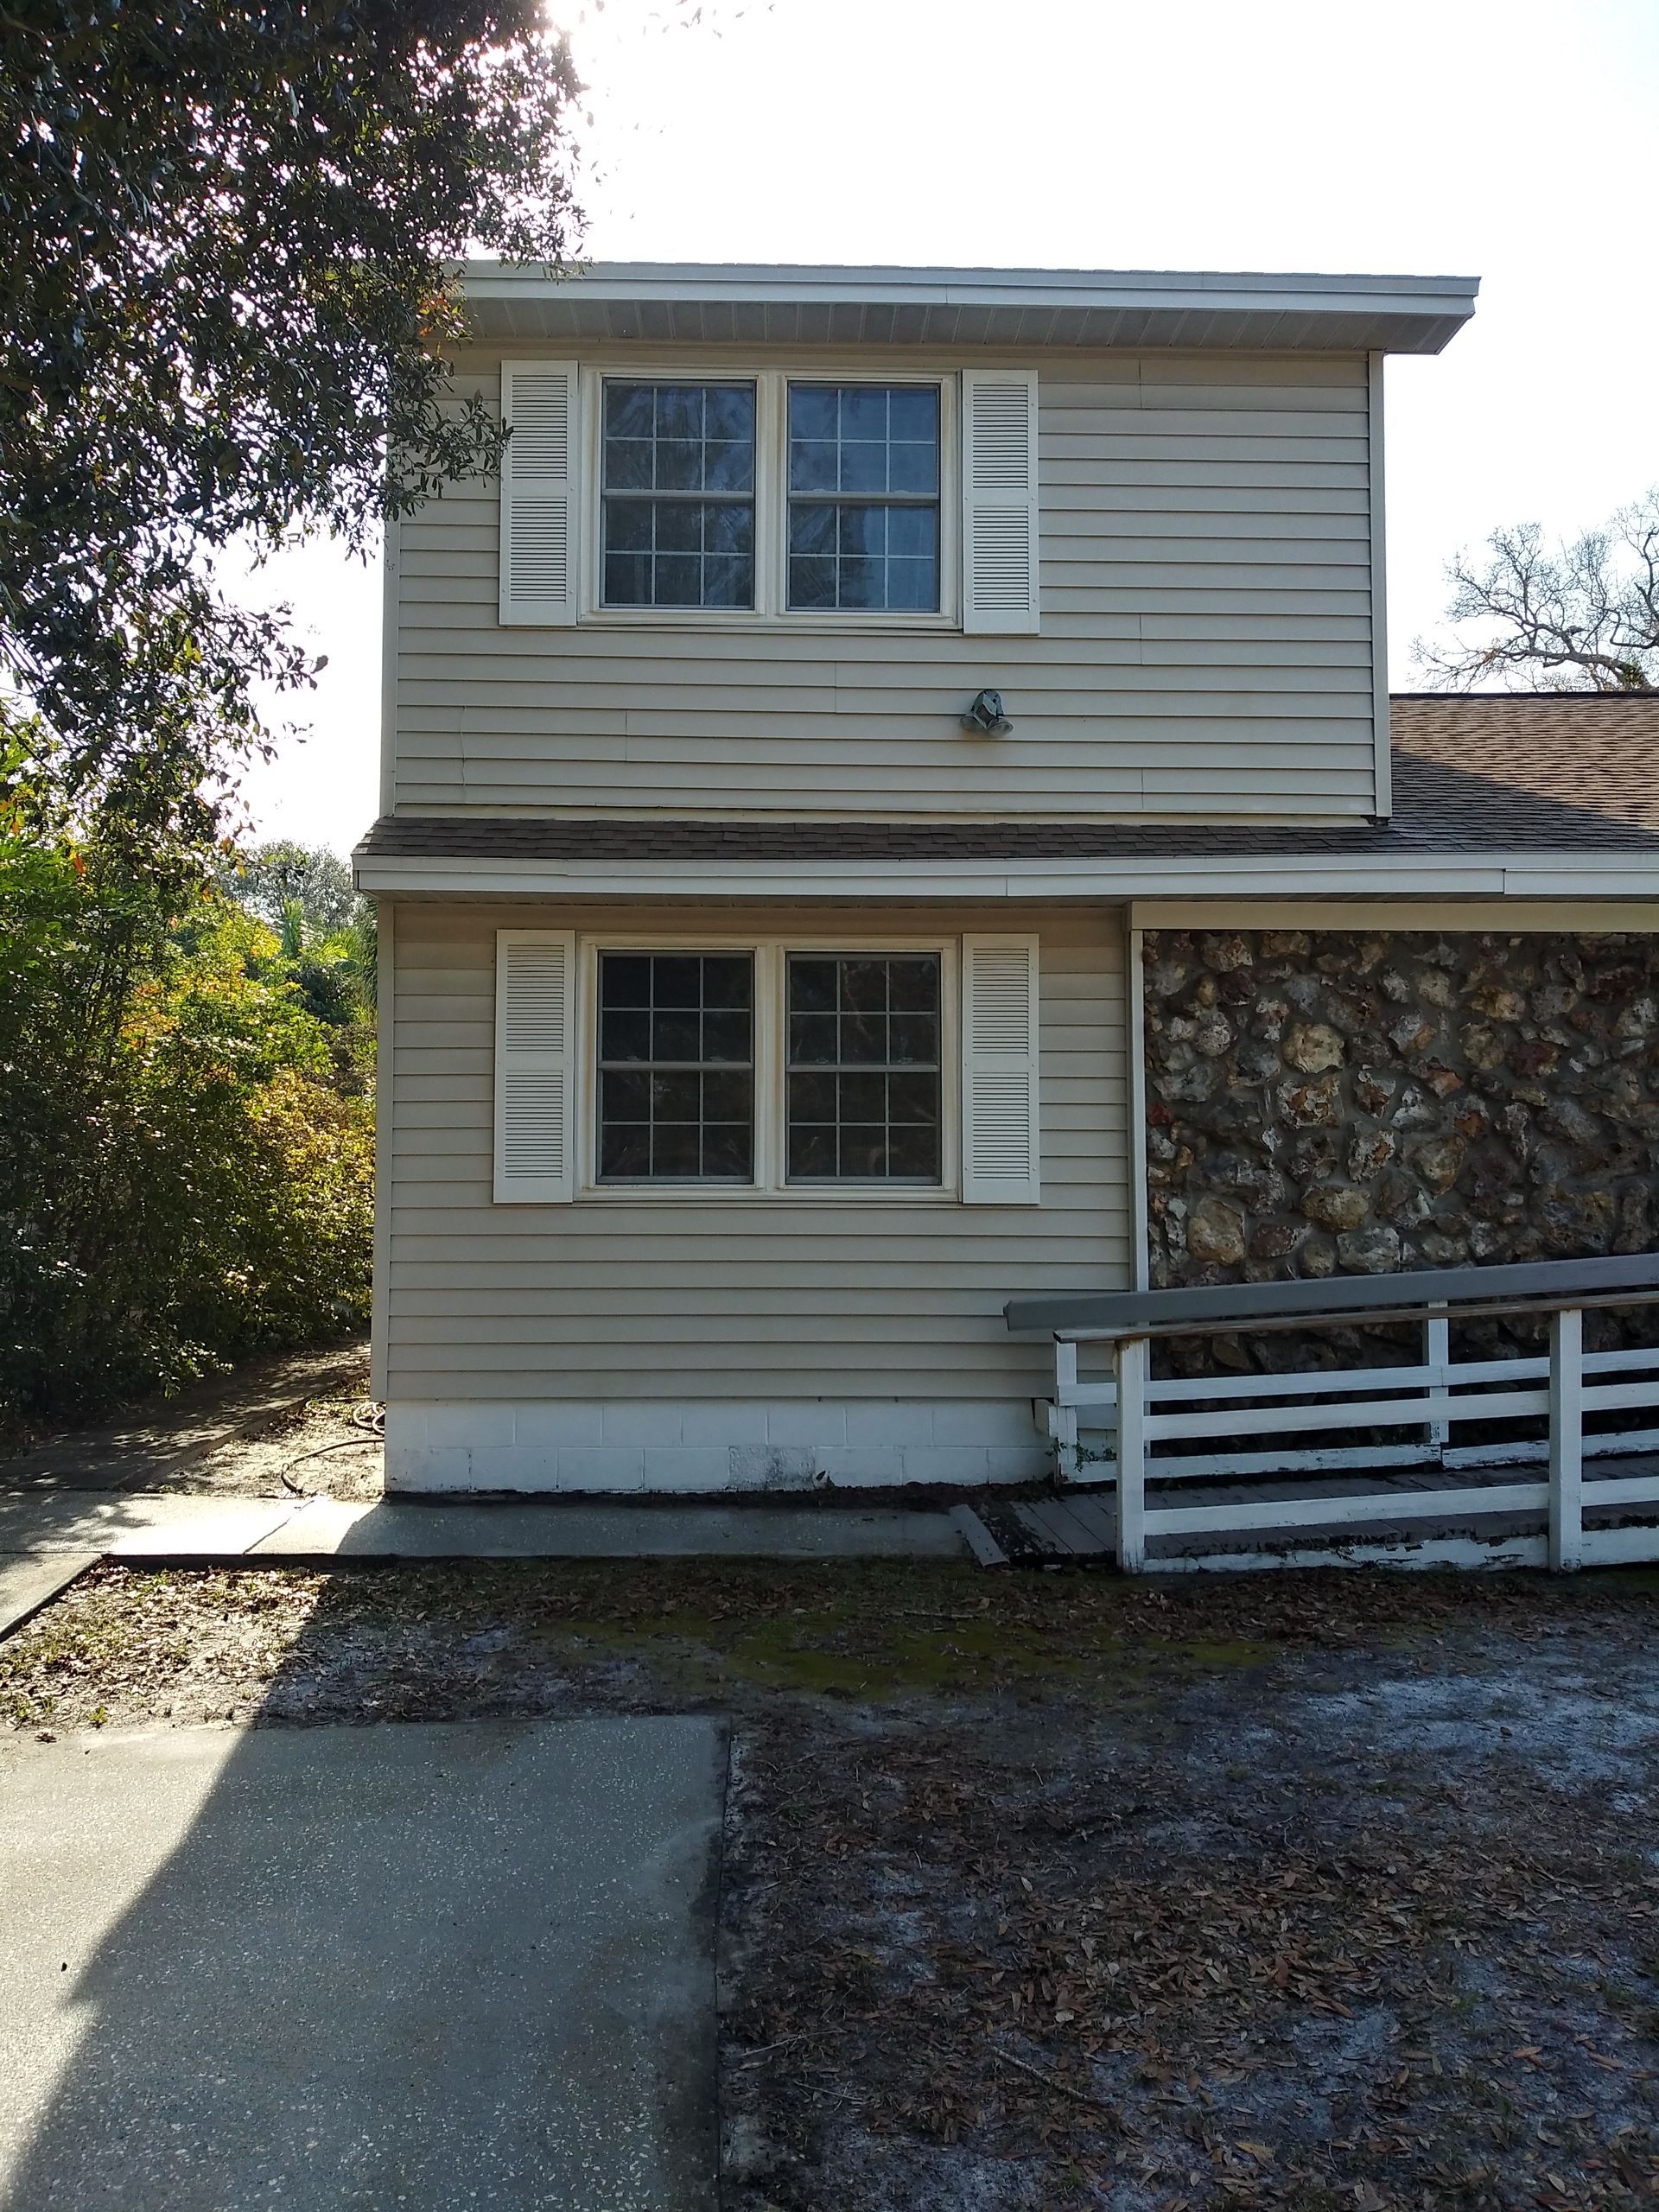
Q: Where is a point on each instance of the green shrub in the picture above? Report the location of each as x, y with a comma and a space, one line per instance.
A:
186, 1136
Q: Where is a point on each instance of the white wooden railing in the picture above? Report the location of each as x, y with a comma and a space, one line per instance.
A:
1126, 1429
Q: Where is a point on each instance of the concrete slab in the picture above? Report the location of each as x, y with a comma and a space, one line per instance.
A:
117, 1526
216, 1528
406, 1529
28, 1582
432, 1967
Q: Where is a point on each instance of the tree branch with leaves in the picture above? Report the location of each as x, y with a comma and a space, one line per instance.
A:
1582, 616
226, 307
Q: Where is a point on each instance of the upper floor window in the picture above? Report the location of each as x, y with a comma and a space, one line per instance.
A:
688, 495
699, 496
864, 496
678, 512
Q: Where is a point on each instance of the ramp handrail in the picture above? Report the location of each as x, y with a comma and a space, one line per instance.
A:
1197, 1310
1430, 1396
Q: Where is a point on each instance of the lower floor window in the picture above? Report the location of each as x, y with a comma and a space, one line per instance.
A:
863, 1067
901, 1071
770, 1065
676, 1067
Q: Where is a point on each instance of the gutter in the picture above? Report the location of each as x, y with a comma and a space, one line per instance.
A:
1203, 876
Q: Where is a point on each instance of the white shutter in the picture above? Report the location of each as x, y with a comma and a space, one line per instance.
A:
1000, 1146
540, 512
535, 1064
998, 500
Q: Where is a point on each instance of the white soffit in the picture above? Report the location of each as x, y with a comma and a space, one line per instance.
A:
711, 304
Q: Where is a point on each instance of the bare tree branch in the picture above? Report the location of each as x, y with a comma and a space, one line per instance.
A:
1584, 617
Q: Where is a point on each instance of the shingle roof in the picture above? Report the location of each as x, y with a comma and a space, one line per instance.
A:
530, 837
1489, 773
1588, 751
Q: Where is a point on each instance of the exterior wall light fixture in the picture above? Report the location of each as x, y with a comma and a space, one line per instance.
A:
985, 718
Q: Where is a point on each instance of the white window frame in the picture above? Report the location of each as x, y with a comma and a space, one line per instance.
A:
770, 609
771, 1074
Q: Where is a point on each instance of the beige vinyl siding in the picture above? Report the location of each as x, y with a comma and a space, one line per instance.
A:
776, 1297
1205, 643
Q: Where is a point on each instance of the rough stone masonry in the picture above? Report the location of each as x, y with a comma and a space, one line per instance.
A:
1325, 1101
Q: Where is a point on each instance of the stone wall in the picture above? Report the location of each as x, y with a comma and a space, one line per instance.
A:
1327, 1102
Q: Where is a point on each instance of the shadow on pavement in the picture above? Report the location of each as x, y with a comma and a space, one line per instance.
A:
429, 1966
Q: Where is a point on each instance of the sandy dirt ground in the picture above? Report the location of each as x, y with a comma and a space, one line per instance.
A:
291, 1422
1049, 1890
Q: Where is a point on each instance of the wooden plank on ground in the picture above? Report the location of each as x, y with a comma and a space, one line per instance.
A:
1098, 1519
977, 1537
1043, 1538
1066, 1533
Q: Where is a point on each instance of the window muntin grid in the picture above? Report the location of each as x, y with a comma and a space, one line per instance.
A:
676, 1067
863, 1072
864, 497
678, 504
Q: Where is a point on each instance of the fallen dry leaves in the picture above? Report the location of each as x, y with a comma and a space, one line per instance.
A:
1026, 1964
1048, 1891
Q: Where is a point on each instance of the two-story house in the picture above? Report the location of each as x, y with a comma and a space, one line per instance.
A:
888, 806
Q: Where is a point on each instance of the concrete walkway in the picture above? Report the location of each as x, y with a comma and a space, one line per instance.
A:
421, 1966
31, 1580
59, 1533
200, 1481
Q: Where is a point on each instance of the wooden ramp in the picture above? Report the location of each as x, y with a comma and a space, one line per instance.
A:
1080, 1527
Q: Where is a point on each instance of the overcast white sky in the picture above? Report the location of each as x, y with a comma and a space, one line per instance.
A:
1513, 140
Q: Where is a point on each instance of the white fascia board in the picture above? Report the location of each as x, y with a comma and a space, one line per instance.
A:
1605, 912
1531, 875
1559, 876
392, 563
1381, 741
789, 283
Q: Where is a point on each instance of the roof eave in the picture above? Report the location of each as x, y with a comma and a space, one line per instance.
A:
717, 304
1614, 875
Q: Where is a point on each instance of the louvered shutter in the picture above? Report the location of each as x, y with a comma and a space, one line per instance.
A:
535, 1064
1001, 1152
540, 513
999, 501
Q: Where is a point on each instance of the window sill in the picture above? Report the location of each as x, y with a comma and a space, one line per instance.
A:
839, 624
753, 1194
